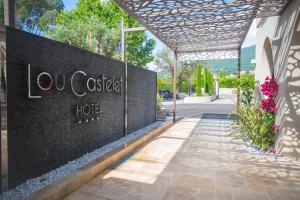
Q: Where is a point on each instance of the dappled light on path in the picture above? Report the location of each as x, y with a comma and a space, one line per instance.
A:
149, 161
196, 159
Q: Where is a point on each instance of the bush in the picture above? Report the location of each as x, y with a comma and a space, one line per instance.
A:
199, 82
255, 126
256, 120
228, 82
159, 101
206, 81
246, 81
184, 87
163, 83
211, 83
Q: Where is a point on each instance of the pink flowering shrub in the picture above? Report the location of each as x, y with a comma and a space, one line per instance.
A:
268, 105
256, 120
275, 128
270, 89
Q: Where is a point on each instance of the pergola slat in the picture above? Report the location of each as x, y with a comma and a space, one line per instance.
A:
192, 25
201, 29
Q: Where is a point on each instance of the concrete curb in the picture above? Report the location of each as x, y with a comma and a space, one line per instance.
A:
63, 187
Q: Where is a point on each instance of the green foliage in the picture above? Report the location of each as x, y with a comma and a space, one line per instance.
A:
247, 96
165, 61
246, 80
199, 81
163, 83
74, 33
1, 12
206, 81
254, 124
183, 86
106, 32
223, 73
37, 16
228, 82
160, 83
94, 36
159, 101
211, 83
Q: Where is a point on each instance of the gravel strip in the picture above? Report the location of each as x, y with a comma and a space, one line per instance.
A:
35, 184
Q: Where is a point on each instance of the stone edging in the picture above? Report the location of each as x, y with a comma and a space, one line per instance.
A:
69, 184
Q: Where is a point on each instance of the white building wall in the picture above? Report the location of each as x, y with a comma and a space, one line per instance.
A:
285, 60
265, 32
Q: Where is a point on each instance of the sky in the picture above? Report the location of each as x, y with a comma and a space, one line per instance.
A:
249, 40
69, 4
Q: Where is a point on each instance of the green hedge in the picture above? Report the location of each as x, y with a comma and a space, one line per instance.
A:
247, 80
164, 84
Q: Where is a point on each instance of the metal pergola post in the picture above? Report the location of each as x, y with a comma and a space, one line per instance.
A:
238, 92
174, 86
123, 59
9, 20
123, 40
9, 13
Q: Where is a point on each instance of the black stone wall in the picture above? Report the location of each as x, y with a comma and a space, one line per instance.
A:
45, 133
141, 92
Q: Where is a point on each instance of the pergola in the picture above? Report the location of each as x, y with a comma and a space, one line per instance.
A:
201, 29
193, 29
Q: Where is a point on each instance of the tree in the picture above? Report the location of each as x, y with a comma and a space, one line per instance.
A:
206, 81
199, 81
184, 71
1, 12
98, 31
223, 73
165, 61
36, 16
74, 33
211, 83
138, 47
94, 36
164, 83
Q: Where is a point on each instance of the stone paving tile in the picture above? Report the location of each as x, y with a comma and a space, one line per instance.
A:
196, 159
180, 193
82, 196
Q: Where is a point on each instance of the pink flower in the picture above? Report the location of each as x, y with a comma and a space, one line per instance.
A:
268, 105
270, 89
275, 128
273, 150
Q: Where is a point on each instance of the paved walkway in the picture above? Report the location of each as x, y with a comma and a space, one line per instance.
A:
196, 159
